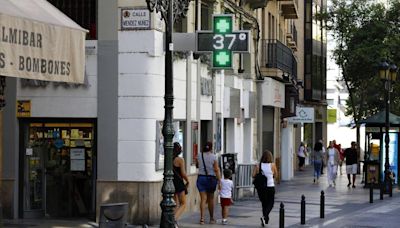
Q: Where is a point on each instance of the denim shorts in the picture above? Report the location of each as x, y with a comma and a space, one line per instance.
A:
206, 183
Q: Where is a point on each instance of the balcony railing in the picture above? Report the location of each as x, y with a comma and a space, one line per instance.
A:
277, 55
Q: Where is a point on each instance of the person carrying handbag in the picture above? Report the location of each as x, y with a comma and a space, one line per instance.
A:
207, 180
266, 194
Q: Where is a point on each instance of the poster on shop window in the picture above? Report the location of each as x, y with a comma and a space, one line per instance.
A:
393, 155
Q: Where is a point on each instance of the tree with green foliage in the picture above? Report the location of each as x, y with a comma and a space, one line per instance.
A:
366, 33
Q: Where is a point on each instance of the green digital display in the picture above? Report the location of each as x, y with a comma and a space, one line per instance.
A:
222, 59
222, 41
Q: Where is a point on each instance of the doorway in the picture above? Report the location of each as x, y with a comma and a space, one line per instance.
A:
58, 162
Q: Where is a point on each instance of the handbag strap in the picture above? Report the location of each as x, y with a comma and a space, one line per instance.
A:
204, 164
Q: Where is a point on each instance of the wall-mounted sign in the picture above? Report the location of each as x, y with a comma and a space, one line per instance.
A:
273, 93
135, 19
303, 115
23, 108
331, 115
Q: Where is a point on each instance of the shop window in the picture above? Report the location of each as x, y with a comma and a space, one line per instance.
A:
83, 12
179, 134
207, 9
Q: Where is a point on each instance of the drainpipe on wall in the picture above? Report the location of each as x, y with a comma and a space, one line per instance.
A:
259, 118
214, 110
188, 133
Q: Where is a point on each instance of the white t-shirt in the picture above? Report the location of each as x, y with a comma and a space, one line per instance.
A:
300, 152
267, 171
226, 188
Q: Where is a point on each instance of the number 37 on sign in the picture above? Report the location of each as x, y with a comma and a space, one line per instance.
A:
222, 41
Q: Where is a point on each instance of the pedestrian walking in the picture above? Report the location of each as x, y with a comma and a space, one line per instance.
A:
341, 158
317, 158
226, 194
301, 154
179, 184
351, 163
207, 180
332, 158
323, 157
267, 193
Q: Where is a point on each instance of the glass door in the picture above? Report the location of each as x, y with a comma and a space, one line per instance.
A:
59, 170
34, 182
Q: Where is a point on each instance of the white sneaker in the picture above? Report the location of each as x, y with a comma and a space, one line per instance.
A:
224, 221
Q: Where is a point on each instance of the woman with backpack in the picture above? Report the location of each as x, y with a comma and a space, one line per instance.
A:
266, 194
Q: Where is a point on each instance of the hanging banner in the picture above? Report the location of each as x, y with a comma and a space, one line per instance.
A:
48, 47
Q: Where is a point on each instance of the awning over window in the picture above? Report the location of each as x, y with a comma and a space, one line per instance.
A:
37, 41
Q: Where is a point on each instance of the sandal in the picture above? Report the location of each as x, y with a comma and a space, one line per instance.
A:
212, 221
202, 221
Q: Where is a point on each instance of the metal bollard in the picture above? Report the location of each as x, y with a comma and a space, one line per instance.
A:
322, 206
371, 193
282, 216
381, 191
303, 210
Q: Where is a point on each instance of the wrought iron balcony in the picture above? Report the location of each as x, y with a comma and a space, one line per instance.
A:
277, 55
255, 4
289, 9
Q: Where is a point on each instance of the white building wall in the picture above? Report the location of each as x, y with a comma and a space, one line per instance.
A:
140, 103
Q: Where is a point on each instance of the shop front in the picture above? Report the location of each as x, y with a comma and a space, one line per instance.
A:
58, 160
38, 42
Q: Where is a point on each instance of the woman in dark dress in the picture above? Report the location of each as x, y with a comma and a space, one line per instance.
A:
179, 184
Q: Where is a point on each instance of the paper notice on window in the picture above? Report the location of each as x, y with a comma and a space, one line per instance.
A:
77, 165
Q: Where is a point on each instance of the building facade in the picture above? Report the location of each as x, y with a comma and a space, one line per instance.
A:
101, 142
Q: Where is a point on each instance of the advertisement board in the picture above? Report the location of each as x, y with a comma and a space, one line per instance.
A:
393, 155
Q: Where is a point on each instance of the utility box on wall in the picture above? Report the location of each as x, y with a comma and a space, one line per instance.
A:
229, 161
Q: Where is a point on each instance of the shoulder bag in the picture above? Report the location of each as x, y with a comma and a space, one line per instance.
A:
260, 180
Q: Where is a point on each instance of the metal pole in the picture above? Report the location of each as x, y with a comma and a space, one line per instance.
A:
387, 140
282, 216
371, 193
322, 205
168, 204
380, 191
303, 210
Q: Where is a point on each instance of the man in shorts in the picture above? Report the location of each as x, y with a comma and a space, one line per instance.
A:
351, 162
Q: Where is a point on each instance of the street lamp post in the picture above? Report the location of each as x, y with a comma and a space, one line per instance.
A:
388, 73
170, 10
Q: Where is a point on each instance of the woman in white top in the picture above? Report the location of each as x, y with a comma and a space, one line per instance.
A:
332, 160
267, 194
301, 155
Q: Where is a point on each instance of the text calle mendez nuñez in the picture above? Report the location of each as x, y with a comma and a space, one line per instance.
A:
28, 63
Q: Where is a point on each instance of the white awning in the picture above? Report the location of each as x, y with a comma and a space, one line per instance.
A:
37, 41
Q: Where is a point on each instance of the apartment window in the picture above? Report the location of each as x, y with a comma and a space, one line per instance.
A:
330, 102
181, 25
206, 15
83, 12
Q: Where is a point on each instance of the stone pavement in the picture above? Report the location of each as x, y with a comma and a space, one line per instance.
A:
345, 207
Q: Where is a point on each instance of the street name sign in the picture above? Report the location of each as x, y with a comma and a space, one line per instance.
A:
222, 41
